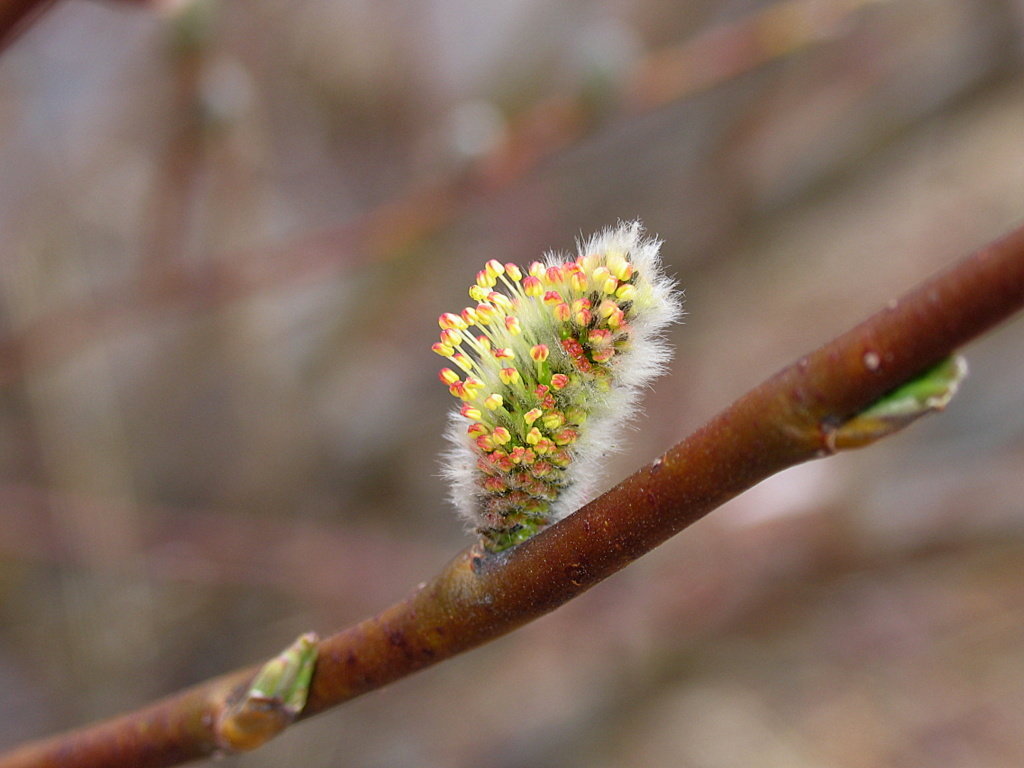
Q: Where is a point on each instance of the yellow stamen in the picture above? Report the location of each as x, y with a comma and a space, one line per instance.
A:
626, 292
448, 320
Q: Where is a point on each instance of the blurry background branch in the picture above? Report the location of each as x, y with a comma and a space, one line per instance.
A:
17, 15
419, 211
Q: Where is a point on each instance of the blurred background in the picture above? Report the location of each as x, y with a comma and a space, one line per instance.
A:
226, 231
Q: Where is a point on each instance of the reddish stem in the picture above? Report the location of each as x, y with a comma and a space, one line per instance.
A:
784, 421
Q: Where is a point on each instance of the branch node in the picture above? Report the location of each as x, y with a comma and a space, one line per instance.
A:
927, 393
272, 701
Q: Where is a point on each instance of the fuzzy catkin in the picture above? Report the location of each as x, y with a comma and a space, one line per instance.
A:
554, 360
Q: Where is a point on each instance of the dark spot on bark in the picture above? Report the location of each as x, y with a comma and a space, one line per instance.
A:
576, 573
399, 640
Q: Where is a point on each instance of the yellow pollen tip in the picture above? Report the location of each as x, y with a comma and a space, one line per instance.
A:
553, 274
493, 401
565, 437
448, 320
539, 353
618, 265
485, 313
500, 300
553, 420
626, 292
606, 308
532, 415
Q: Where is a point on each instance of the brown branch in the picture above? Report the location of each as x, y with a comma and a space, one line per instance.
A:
786, 420
18, 15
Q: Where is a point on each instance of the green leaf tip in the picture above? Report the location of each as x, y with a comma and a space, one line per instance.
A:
274, 698
926, 393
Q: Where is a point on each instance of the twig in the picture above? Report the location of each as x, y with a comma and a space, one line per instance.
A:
18, 15
788, 419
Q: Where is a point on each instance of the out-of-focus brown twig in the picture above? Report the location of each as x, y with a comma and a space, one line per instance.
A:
788, 419
18, 15
725, 52
705, 61
327, 564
